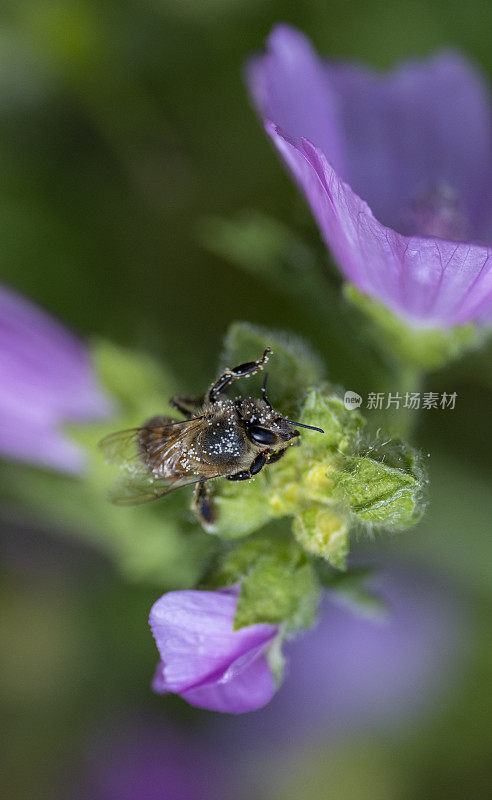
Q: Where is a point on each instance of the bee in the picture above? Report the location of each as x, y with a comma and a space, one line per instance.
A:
219, 438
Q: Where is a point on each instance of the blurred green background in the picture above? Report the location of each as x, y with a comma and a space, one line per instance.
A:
123, 125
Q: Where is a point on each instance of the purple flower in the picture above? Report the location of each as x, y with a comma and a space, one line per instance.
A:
397, 170
46, 379
203, 659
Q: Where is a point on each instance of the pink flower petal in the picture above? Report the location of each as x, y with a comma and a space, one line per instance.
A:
375, 155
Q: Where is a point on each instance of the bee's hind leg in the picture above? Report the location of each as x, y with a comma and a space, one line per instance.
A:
203, 505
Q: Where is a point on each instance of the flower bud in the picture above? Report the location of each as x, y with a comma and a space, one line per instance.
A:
203, 659
323, 532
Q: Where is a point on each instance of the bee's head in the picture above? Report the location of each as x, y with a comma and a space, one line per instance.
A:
264, 426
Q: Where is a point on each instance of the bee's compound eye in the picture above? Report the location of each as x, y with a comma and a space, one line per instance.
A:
260, 435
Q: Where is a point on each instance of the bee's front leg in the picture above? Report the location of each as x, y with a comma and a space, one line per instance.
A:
277, 456
241, 371
203, 505
256, 466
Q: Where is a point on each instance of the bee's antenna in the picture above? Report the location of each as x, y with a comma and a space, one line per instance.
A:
301, 425
263, 390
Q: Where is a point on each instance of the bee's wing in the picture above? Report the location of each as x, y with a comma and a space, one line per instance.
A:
140, 483
124, 448
144, 488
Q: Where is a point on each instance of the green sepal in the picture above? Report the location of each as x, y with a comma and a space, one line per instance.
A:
351, 590
423, 348
278, 584
381, 494
278, 593
276, 659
